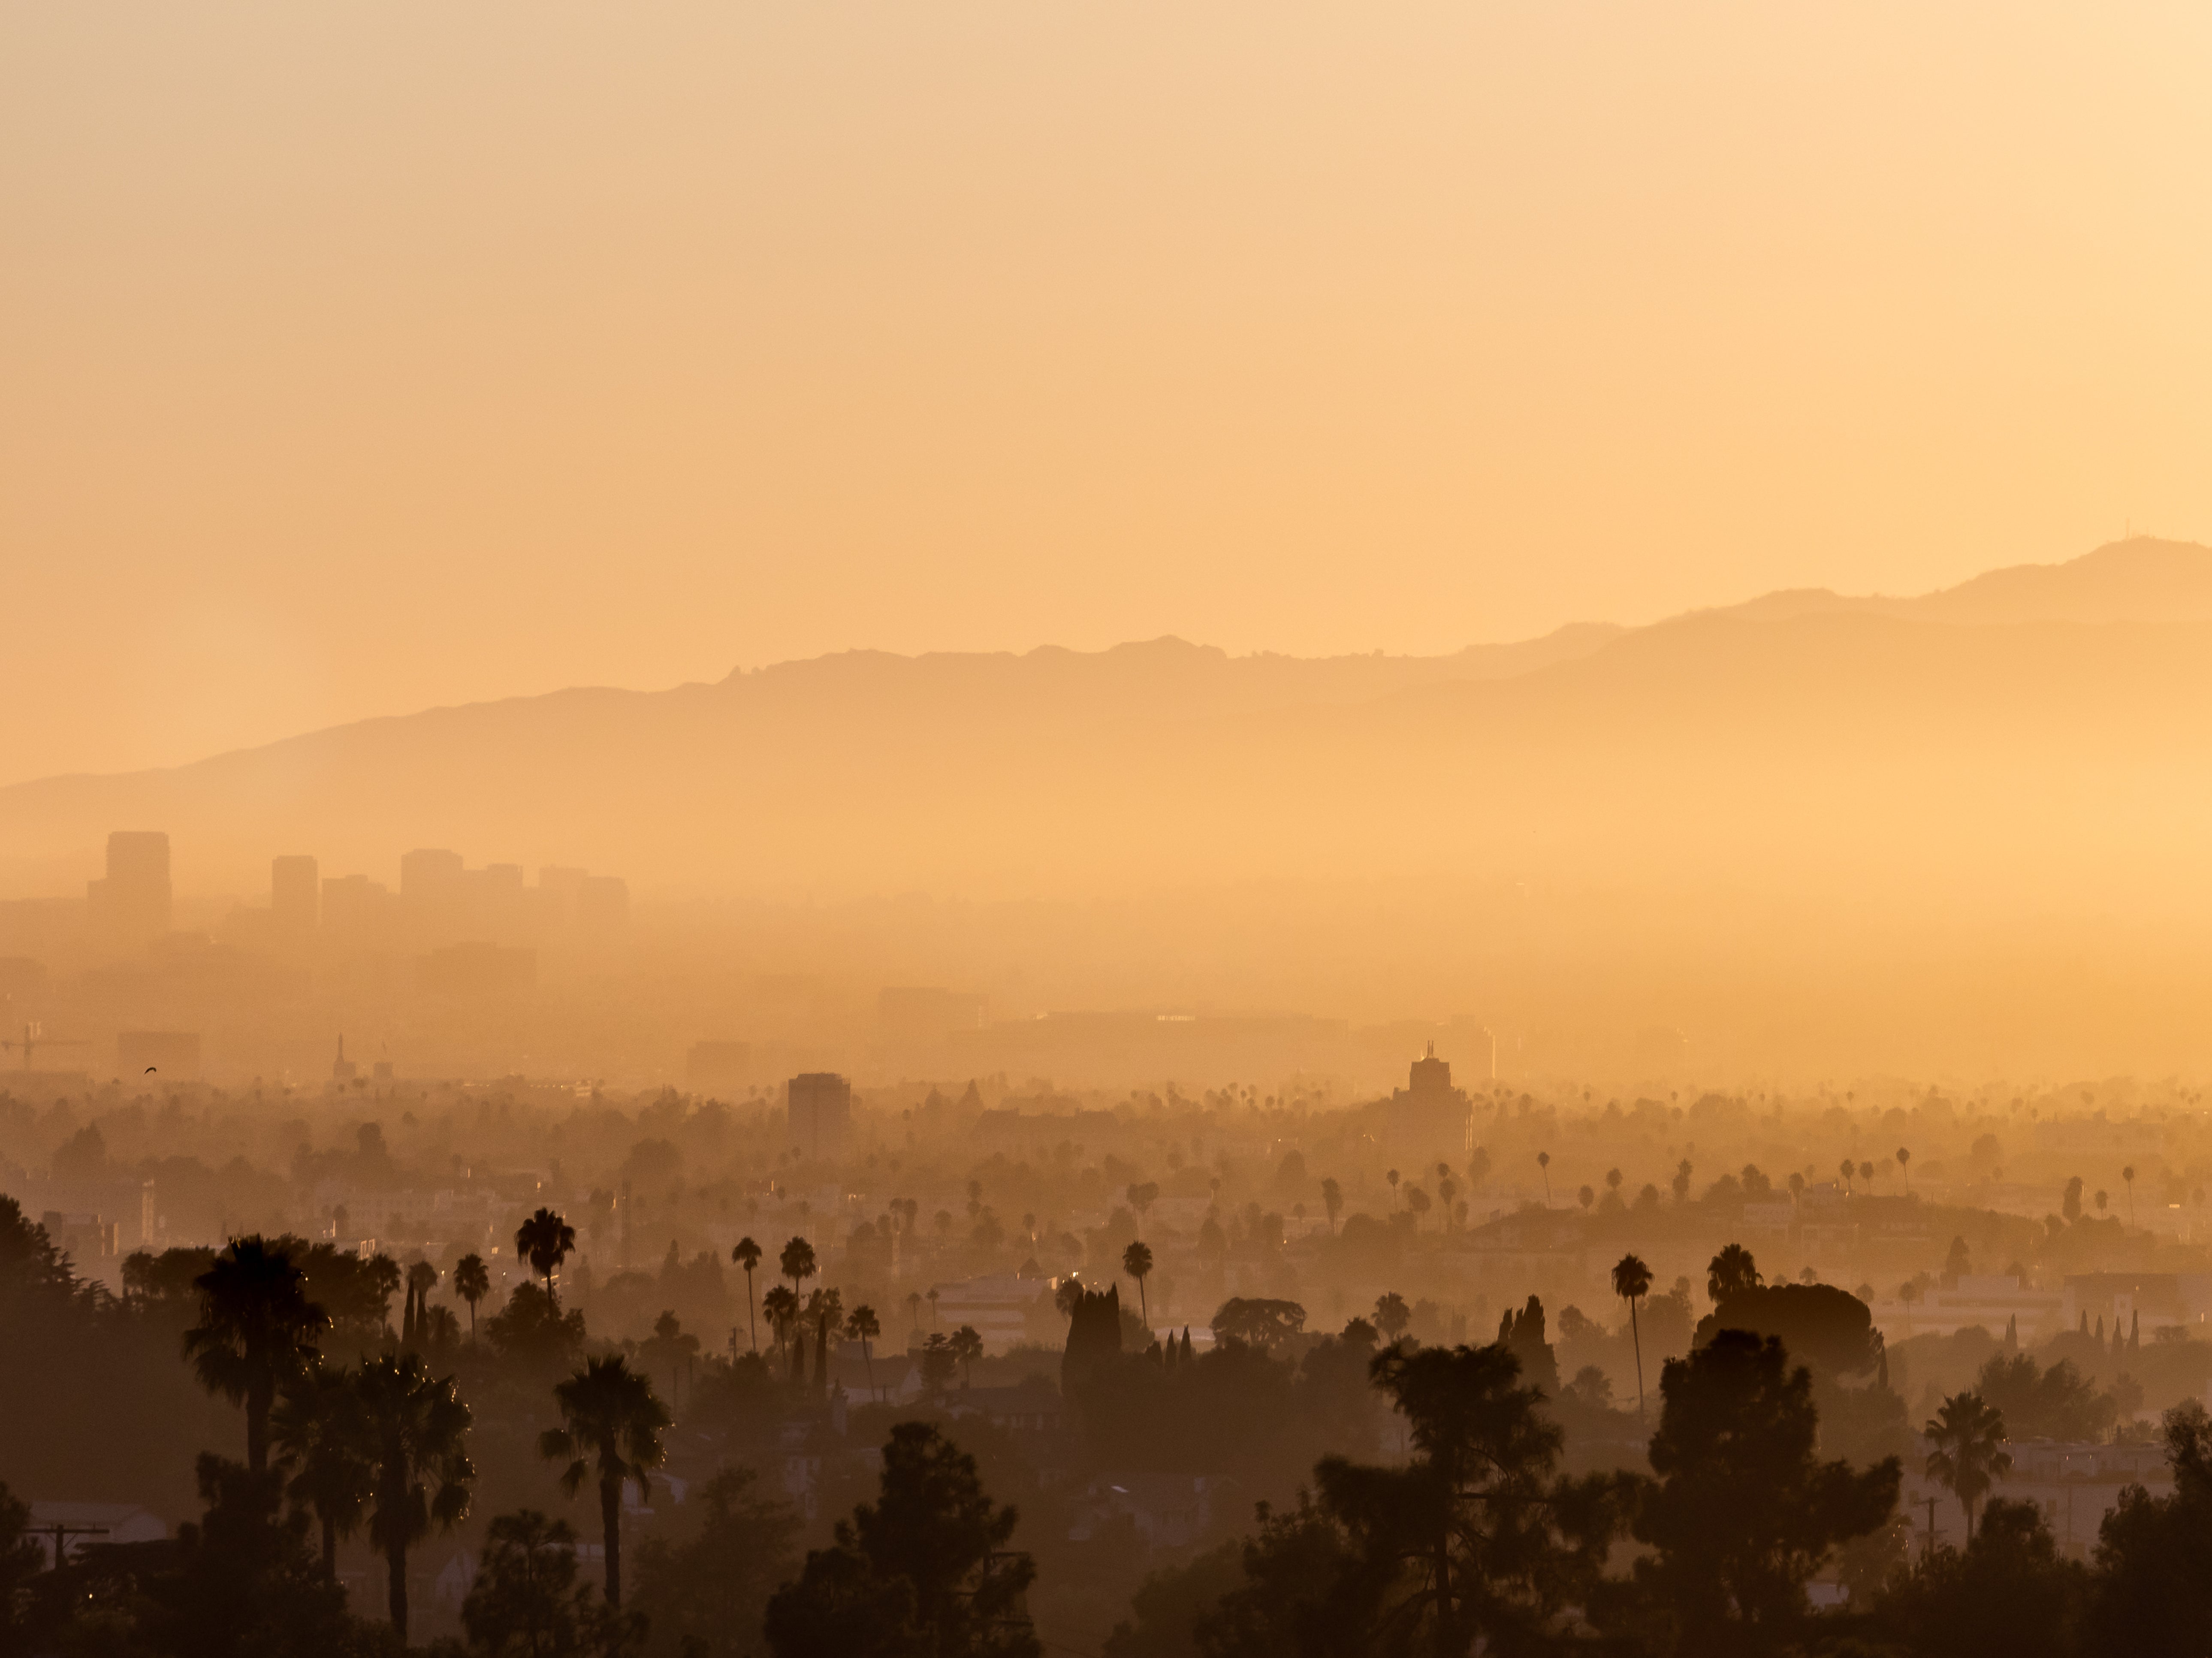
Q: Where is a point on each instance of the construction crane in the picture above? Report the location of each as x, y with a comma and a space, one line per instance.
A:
33, 1039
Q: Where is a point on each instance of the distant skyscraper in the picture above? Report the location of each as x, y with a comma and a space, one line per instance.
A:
821, 1109
1429, 1115
295, 892
129, 904
430, 873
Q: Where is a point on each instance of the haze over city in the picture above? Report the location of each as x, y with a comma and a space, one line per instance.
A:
1153, 834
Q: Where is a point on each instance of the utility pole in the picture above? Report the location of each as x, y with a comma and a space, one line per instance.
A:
62, 1533
1931, 1528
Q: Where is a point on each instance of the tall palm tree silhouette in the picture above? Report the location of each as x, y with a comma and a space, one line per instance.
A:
864, 1328
967, 1347
747, 1255
1968, 1455
1729, 1272
418, 1431
257, 1331
421, 1279
797, 1262
780, 1306
545, 1240
612, 1425
1137, 1262
471, 1283
825, 1311
323, 1443
1631, 1282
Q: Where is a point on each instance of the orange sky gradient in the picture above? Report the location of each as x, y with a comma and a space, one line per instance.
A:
359, 357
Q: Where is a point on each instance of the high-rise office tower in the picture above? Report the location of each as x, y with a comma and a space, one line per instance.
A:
129, 904
821, 1109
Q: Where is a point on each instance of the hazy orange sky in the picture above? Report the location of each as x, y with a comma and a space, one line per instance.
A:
357, 357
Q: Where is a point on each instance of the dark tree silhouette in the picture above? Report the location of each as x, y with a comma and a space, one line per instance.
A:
708, 1592
747, 1255
924, 1570
862, 1326
1743, 1513
421, 1279
1967, 1451
1472, 1540
419, 1428
1820, 1325
545, 1240
1258, 1321
2008, 1594
1332, 1201
797, 1263
323, 1445
257, 1331
2152, 1592
525, 1602
1731, 1272
471, 1283
780, 1304
1631, 1282
611, 1429
1137, 1262
825, 1311
967, 1346
1392, 1315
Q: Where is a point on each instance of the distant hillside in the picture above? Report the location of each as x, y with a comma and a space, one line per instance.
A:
2044, 731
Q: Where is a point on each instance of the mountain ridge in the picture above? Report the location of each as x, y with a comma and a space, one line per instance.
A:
1057, 770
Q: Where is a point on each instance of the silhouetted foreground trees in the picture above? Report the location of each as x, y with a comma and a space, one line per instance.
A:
1440, 1518
922, 1572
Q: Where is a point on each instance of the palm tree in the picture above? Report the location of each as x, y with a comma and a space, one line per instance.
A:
914, 1310
418, 1431
1904, 1167
1730, 1271
612, 1419
1392, 1176
257, 1332
747, 1255
2128, 1175
967, 1347
421, 1279
932, 1299
545, 1240
322, 1442
1544, 1163
781, 1306
1332, 1200
1137, 1262
1849, 1169
797, 1262
471, 1283
1967, 1434
1631, 1282
863, 1327
825, 1310
1392, 1315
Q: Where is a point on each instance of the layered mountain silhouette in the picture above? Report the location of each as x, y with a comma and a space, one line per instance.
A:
2042, 731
